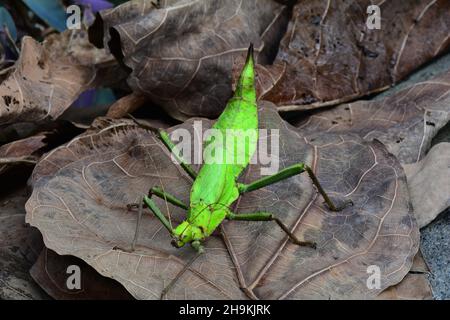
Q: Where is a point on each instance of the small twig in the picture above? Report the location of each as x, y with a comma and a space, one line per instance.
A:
17, 160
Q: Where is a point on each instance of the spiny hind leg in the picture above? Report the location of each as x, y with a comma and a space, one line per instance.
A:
267, 216
287, 173
199, 251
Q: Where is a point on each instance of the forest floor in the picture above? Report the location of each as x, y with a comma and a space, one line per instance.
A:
435, 238
17, 258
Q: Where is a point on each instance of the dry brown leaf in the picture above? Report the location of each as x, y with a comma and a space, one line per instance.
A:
49, 77
415, 286
50, 272
406, 123
81, 191
329, 55
429, 184
21, 151
181, 54
419, 264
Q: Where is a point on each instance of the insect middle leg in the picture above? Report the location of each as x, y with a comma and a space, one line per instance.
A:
287, 173
267, 216
164, 136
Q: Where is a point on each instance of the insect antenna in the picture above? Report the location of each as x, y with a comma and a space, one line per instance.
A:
166, 204
223, 205
195, 217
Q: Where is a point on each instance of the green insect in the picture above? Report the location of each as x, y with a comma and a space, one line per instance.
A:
215, 186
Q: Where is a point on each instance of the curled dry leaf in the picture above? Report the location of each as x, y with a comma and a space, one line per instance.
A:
415, 286
181, 54
429, 184
21, 151
125, 105
330, 56
48, 77
81, 191
16, 257
406, 123
51, 273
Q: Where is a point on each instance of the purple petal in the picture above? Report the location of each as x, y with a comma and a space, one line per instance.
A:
95, 5
86, 99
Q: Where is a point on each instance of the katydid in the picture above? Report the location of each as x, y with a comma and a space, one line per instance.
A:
215, 187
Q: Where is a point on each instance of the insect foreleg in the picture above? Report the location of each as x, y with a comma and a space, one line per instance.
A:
267, 216
168, 197
158, 214
164, 136
156, 211
287, 173
199, 248
163, 195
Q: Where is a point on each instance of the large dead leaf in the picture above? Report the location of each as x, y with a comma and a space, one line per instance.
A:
48, 77
328, 55
81, 191
406, 123
182, 53
429, 184
50, 272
